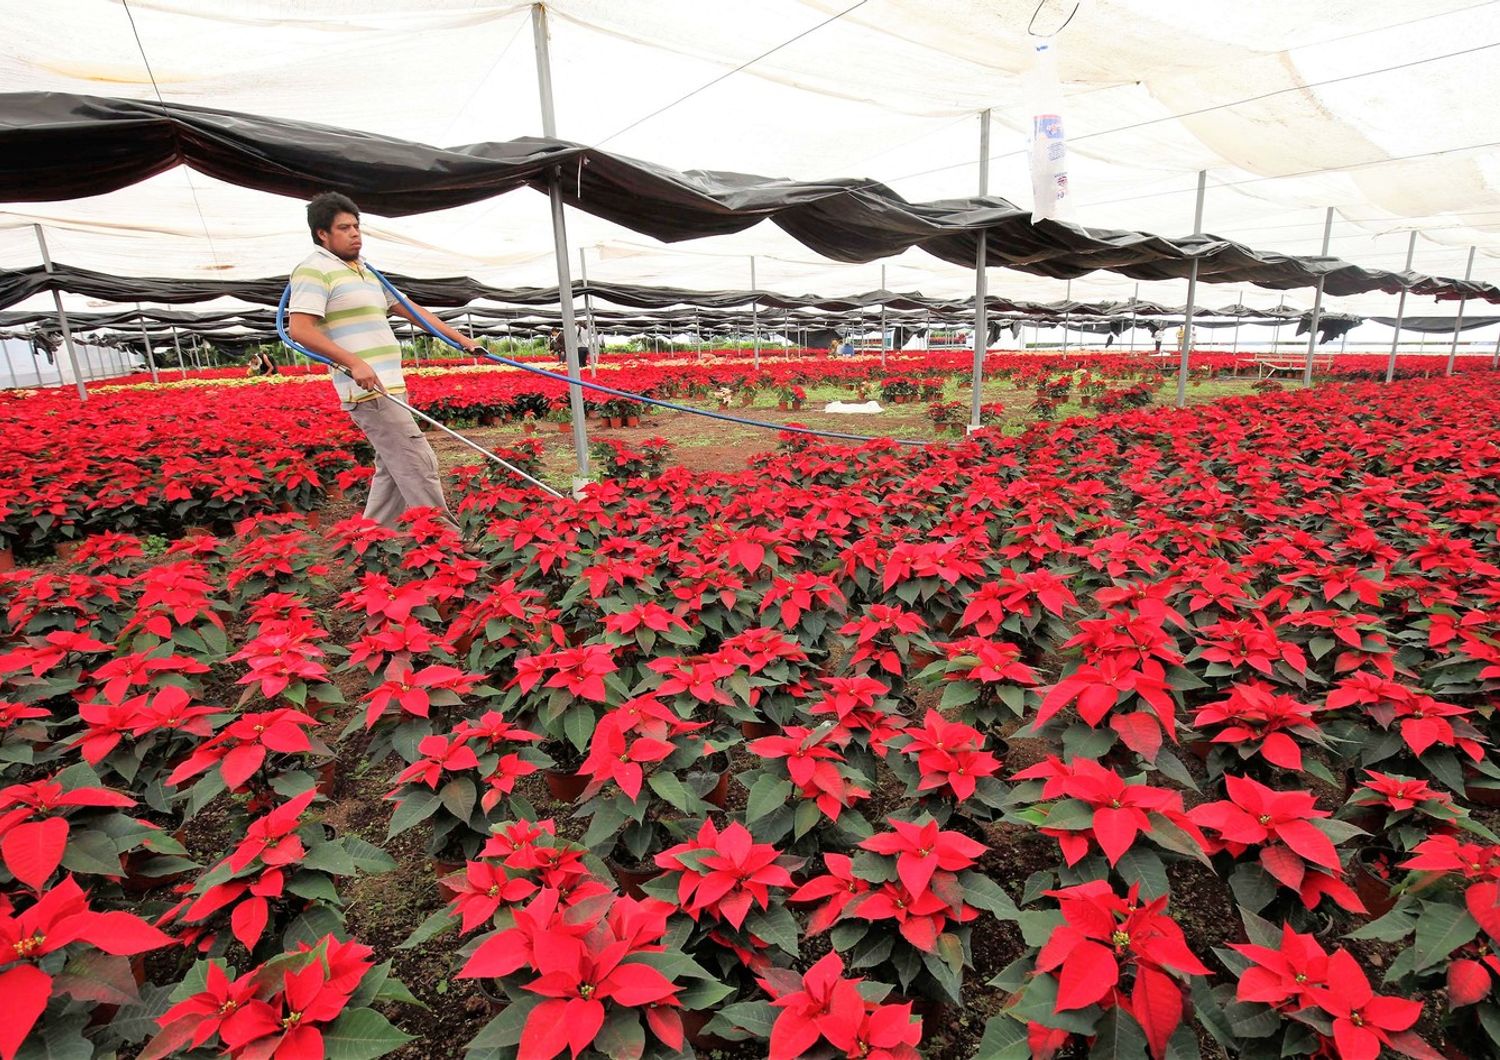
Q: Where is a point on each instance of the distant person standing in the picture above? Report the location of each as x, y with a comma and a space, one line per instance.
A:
339, 310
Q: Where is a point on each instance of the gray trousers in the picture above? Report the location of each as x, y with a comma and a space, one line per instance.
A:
406, 468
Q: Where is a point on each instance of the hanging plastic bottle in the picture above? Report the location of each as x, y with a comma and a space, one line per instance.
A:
1049, 150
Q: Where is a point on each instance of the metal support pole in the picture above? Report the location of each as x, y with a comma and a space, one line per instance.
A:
469, 322
1237, 319
1135, 300
146, 340
755, 312
1184, 354
177, 345
1067, 298
1317, 311
882, 318
1458, 321
560, 250
62, 320
981, 280
1494, 359
588, 314
10, 368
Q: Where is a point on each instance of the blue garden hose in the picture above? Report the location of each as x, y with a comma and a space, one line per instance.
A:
601, 388
286, 338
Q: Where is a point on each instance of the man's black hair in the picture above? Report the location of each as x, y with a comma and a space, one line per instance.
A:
324, 208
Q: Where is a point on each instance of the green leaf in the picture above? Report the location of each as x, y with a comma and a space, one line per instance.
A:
1441, 929
753, 1016
504, 1031
806, 818
1142, 866
1037, 927
329, 857
90, 853
1120, 1038
578, 725
361, 1034
311, 925
415, 807
433, 926
1038, 1002
670, 788
59, 1039
458, 797
368, 857
703, 993
766, 794
985, 893
1004, 1039
777, 926
622, 1037
1038, 882
1392, 927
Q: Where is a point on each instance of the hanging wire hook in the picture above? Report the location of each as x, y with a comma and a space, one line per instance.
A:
1031, 26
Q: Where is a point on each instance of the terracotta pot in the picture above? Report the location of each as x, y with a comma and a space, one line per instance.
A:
755, 730
65, 550
313, 518
796, 405
692, 1028
564, 428
489, 419
7, 559
565, 787
328, 778
632, 421
1486, 797
917, 661
1373, 890
441, 871
630, 880
782, 405
719, 793
528, 428
334, 493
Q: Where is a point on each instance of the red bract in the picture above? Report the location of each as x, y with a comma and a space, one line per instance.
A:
1404, 793
1248, 642
839, 886
580, 671
580, 964
286, 1025
1283, 977
58, 918
727, 875
1257, 717
824, 1006
439, 755
1104, 934
33, 829
949, 755
1097, 690
922, 849
240, 748
1279, 822
376, 597
1363, 1022
414, 693
812, 763
1120, 810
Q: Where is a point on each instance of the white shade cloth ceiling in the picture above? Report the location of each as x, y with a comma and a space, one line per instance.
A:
1383, 109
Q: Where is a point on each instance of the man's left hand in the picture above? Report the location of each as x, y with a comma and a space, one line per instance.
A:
473, 346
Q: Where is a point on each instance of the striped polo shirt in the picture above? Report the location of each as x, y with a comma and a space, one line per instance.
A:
352, 308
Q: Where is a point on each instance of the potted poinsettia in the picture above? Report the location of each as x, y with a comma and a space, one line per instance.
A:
581, 978
278, 876
314, 1000
647, 771
909, 921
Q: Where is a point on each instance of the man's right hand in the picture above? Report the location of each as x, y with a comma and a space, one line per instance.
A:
365, 377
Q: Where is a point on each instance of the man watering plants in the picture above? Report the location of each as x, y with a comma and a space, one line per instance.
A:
339, 310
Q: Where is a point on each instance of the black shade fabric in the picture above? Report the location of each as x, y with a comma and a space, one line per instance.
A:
44, 135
